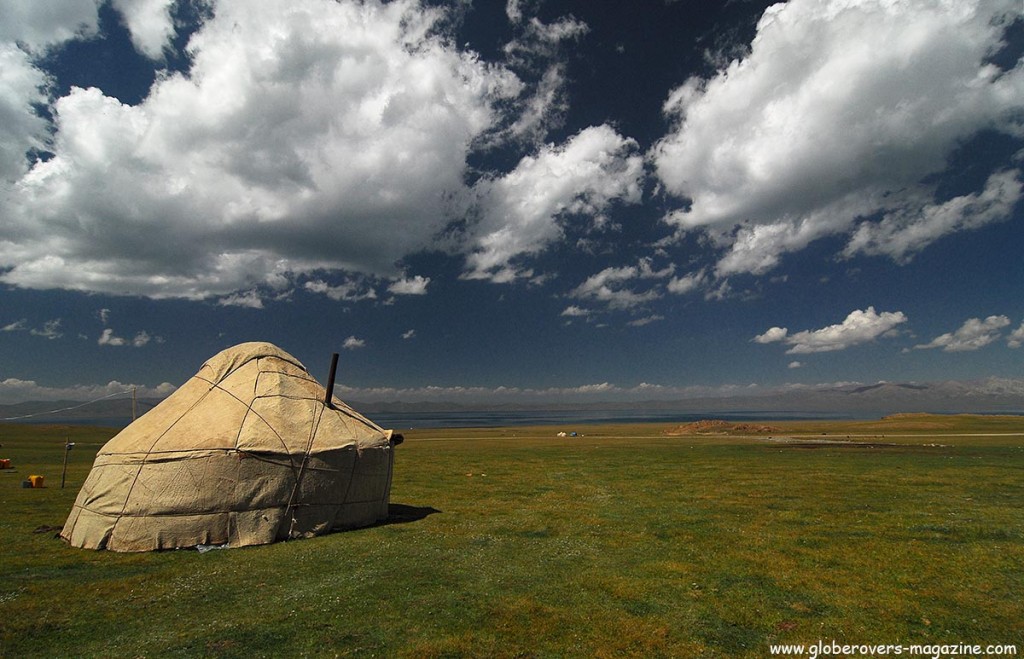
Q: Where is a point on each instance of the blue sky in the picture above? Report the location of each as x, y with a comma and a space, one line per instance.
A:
500, 201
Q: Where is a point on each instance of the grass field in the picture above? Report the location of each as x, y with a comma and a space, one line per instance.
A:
623, 541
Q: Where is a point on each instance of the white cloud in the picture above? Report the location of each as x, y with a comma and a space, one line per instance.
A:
16, 326
610, 285
1016, 338
141, 339
604, 387
409, 334
521, 210
349, 291
544, 109
537, 39
13, 390
250, 299
972, 335
757, 248
572, 311
904, 232
687, 283
514, 11
858, 327
27, 29
772, 335
536, 47
415, 286
108, 338
646, 320
50, 330
352, 343
841, 110
308, 135
21, 128
795, 364
37, 25
149, 24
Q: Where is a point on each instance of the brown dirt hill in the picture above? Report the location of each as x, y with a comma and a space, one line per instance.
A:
717, 426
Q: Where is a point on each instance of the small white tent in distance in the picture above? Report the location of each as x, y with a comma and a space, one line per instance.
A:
251, 450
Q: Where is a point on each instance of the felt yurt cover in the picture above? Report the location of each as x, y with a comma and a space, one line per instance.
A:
246, 452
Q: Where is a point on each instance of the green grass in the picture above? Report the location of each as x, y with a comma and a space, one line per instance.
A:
622, 542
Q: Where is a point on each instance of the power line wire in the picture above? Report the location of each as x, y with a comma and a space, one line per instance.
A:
65, 409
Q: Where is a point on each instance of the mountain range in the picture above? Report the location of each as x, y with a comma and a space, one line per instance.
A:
992, 395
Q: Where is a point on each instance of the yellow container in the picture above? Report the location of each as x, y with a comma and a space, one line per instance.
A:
37, 481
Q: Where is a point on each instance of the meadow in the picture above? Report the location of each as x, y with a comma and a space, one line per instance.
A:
622, 541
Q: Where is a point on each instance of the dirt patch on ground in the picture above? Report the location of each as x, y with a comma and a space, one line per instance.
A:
718, 427
789, 442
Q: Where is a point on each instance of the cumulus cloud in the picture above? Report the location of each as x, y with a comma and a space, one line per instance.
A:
14, 390
543, 110
352, 343
514, 10
840, 112
537, 46
250, 299
36, 25
49, 330
772, 335
352, 290
687, 283
16, 326
142, 338
904, 232
795, 364
415, 286
27, 29
572, 311
409, 334
21, 128
108, 338
308, 135
611, 285
149, 24
520, 211
858, 327
1016, 338
972, 335
646, 320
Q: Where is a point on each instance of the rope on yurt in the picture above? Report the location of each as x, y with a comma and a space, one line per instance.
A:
302, 468
149, 452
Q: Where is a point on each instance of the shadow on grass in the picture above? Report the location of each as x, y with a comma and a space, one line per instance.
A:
399, 513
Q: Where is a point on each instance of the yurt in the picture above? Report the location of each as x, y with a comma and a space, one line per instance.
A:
249, 451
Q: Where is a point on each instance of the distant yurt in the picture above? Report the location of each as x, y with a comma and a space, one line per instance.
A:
247, 452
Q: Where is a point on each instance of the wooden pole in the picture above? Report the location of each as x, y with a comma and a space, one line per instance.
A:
134, 406
329, 394
64, 471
